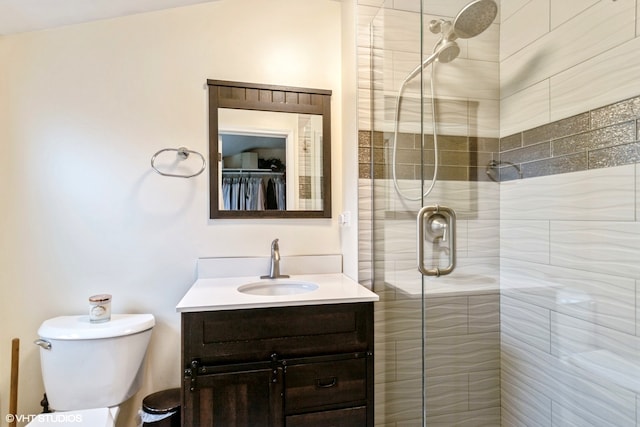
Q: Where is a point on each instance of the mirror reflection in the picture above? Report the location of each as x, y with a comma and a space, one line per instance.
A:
270, 151
270, 160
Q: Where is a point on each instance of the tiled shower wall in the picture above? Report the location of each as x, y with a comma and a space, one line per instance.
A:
570, 245
569, 230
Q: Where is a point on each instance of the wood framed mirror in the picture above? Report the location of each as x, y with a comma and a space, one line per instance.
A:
269, 151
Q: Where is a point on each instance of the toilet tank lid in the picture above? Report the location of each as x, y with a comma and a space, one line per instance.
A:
80, 328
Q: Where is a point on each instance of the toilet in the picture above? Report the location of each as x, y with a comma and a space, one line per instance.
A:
89, 369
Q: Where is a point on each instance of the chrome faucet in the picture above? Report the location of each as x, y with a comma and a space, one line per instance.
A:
274, 270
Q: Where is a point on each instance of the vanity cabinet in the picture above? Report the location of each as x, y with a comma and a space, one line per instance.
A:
283, 366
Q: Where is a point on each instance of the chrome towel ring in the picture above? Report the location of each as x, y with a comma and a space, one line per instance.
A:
182, 153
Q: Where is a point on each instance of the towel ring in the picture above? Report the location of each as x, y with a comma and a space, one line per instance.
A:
182, 153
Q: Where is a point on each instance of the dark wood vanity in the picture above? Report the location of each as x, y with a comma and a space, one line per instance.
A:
293, 366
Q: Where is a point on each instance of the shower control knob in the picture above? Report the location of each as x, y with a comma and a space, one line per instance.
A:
437, 227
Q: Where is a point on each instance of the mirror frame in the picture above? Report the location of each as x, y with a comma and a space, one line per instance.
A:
261, 97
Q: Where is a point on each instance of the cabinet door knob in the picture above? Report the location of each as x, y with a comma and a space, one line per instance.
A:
326, 382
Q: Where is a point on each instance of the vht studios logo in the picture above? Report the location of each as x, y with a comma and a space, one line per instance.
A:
61, 418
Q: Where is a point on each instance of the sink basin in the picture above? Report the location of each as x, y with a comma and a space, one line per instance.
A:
277, 287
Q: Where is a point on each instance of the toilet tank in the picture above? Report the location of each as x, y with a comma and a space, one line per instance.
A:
93, 365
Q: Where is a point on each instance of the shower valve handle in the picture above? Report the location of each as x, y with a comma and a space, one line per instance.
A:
441, 223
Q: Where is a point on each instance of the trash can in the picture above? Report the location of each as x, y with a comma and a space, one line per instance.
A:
161, 409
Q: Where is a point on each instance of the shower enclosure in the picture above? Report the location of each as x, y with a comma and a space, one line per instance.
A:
532, 129
429, 131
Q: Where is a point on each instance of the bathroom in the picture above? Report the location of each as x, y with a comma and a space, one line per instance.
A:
84, 107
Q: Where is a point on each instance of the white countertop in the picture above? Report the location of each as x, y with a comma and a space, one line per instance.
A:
214, 294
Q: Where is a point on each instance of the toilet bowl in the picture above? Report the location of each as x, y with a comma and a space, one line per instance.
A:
89, 369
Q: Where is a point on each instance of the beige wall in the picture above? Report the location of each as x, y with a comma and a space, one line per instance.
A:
82, 110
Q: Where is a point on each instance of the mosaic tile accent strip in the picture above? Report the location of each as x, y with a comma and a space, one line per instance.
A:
605, 137
460, 158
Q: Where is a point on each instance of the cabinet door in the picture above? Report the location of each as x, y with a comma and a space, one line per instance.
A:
235, 399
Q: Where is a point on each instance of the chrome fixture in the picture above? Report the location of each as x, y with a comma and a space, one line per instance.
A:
441, 226
182, 153
494, 166
274, 270
43, 343
472, 20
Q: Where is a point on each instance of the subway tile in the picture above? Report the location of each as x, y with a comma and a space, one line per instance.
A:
525, 240
385, 361
510, 142
598, 402
447, 394
507, 9
527, 154
364, 171
480, 174
399, 401
484, 144
489, 417
615, 156
446, 316
484, 390
598, 195
562, 416
603, 79
597, 30
577, 338
523, 27
522, 404
468, 79
529, 323
525, 108
603, 299
484, 313
565, 10
555, 165
508, 172
484, 238
623, 111
558, 129
364, 155
597, 246
462, 353
604, 137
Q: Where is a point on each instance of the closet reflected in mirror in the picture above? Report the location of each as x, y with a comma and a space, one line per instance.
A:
266, 157
273, 146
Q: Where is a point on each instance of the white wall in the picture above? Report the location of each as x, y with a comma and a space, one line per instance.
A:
82, 110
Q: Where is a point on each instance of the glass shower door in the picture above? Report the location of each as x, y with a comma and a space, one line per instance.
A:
437, 336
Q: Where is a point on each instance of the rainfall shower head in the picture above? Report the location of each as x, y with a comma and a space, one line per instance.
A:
475, 18
472, 20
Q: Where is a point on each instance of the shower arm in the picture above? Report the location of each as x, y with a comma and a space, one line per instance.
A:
419, 69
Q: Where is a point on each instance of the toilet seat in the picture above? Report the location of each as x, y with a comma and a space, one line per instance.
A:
98, 417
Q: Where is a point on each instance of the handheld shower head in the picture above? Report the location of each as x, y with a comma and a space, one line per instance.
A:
445, 51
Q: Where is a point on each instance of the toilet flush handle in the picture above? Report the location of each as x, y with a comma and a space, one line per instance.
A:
43, 343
